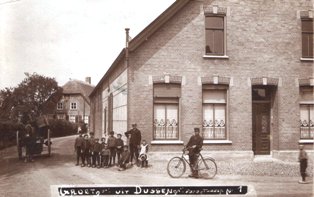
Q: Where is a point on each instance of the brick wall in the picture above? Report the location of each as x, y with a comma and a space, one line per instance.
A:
263, 40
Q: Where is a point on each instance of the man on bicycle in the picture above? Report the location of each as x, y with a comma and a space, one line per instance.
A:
194, 146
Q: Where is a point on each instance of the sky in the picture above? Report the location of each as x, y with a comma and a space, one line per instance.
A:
68, 39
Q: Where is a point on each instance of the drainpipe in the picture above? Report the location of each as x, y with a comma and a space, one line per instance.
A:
127, 40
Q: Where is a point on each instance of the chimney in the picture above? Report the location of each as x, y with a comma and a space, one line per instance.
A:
88, 80
127, 37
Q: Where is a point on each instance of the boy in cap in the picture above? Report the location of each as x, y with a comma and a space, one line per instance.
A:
125, 156
97, 152
112, 146
105, 154
119, 145
194, 146
91, 141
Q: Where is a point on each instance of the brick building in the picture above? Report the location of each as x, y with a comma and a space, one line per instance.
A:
241, 70
74, 105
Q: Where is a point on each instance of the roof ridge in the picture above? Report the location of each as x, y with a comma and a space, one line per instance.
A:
79, 81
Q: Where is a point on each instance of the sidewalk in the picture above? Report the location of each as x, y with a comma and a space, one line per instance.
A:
242, 166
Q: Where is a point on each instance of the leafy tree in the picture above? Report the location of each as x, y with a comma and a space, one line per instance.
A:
29, 98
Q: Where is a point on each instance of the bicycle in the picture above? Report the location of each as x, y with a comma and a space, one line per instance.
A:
206, 167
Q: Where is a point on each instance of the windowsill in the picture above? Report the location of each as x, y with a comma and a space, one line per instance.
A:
307, 59
306, 141
215, 56
217, 142
167, 142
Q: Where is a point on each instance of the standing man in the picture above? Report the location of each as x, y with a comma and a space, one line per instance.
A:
303, 163
194, 146
134, 142
85, 150
78, 147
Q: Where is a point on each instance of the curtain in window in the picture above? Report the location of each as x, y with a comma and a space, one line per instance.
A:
165, 121
306, 113
214, 114
306, 121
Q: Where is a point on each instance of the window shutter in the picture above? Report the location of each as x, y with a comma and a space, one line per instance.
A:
167, 90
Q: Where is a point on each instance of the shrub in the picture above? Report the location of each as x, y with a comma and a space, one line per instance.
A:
8, 132
59, 128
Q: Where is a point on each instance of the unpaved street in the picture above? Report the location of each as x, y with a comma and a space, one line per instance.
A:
38, 178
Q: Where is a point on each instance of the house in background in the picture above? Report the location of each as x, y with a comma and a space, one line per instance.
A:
74, 105
240, 70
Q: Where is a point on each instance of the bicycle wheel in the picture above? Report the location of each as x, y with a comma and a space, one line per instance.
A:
176, 167
207, 170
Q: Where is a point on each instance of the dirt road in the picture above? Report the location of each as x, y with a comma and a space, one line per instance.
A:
39, 178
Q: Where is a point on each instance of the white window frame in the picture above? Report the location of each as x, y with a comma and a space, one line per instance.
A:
58, 106
72, 106
213, 56
218, 140
165, 122
71, 118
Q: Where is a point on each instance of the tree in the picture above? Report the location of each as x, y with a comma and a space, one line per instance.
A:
29, 97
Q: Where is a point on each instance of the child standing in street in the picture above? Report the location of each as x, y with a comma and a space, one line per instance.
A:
97, 152
105, 153
143, 154
119, 144
112, 147
303, 163
91, 149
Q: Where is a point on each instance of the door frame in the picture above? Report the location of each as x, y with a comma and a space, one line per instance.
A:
271, 92
254, 131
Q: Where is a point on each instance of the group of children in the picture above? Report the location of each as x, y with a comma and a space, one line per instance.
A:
95, 152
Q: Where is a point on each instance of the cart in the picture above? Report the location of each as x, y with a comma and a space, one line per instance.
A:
42, 141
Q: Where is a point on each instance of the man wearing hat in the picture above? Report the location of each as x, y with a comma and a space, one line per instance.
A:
194, 146
78, 147
135, 141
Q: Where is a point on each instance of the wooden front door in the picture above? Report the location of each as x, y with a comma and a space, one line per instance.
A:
261, 128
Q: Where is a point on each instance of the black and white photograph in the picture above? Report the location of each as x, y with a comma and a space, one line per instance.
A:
156, 98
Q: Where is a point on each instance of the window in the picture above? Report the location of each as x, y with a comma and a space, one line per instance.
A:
72, 118
60, 106
166, 121
306, 113
61, 116
166, 111
73, 106
307, 38
215, 35
214, 114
